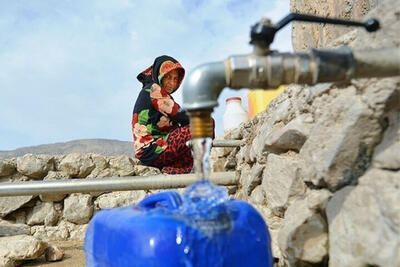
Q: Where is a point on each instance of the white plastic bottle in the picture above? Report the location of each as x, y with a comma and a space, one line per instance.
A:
234, 113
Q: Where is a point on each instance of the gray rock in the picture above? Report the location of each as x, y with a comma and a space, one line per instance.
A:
7, 262
53, 253
10, 204
122, 166
383, 95
319, 89
281, 183
77, 232
232, 189
101, 174
283, 110
235, 134
292, 136
8, 228
231, 162
387, 153
78, 208
340, 144
217, 164
42, 213
257, 196
6, 168
255, 177
274, 223
257, 147
303, 237
251, 177
35, 166
241, 195
218, 157
63, 231
18, 216
245, 177
57, 160
118, 199
240, 158
364, 222
54, 175
17, 177
77, 165
101, 164
14, 249
51, 233
140, 170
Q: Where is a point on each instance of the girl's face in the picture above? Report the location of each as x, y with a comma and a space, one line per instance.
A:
170, 81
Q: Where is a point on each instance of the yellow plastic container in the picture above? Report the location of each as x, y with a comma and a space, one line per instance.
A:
259, 99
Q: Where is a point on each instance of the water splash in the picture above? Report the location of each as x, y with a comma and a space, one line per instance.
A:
201, 158
204, 206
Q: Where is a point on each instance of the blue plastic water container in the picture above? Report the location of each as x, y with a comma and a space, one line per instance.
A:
165, 229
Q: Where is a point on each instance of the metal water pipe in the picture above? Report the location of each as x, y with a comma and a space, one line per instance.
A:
266, 69
111, 184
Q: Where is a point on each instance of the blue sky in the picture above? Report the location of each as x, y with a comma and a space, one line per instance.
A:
68, 68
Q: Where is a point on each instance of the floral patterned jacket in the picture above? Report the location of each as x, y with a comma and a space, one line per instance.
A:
155, 113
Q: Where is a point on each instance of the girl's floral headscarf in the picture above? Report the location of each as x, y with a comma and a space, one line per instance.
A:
161, 66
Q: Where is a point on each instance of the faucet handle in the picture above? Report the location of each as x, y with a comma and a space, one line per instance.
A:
262, 34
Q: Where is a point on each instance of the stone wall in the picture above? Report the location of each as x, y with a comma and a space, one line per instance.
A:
322, 164
28, 224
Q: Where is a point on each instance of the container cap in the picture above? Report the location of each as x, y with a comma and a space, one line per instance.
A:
233, 98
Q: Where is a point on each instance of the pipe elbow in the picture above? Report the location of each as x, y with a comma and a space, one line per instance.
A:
203, 86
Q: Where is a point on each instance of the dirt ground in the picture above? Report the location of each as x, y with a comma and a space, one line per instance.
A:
74, 256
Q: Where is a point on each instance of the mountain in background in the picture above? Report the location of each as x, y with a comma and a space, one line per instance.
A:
105, 147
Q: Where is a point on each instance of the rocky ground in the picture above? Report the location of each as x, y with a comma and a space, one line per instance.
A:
74, 256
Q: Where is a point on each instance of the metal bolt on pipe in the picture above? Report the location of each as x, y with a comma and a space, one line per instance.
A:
111, 184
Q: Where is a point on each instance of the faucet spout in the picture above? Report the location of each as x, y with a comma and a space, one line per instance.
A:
200, 95
203, 86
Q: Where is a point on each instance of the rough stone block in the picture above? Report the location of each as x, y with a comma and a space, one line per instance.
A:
387, 153
118, 199
364, 221
10, 204
14, 249
122, 166
8, 228
340, 144
290, 137
78, 208
281, 183
53, 253
35, 166
303, 237
6, 168
76, 165
42, 213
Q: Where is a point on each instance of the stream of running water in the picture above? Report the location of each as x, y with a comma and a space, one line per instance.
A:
201, 157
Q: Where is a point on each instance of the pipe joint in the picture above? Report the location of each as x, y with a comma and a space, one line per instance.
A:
246, 71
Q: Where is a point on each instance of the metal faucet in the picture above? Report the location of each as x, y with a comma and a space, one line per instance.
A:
267, 69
